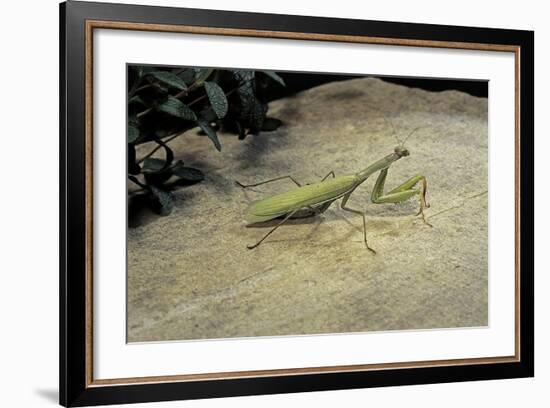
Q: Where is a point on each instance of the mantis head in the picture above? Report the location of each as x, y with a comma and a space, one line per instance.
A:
401, 151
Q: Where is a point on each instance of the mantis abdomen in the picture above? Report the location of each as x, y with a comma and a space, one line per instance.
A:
310, 195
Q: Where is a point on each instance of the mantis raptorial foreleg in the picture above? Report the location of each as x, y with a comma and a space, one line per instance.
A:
343, 207
402, 192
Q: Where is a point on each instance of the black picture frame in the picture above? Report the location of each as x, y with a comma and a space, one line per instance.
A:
77, 387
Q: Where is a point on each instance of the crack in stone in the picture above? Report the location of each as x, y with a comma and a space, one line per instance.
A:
465, 199
408, 223
221, 294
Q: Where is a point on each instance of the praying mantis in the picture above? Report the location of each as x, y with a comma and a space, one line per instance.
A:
314, 199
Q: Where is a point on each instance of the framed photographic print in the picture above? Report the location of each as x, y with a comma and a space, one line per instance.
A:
255, 203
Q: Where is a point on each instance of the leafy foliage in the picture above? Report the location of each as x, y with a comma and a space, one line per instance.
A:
163, 200
217, 99
133, 133
169, 79
211, 133
165, 102
187, 173
173, 106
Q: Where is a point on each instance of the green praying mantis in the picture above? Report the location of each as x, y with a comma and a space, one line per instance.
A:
314, 199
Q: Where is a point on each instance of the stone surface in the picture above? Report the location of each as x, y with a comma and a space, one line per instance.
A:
191, 276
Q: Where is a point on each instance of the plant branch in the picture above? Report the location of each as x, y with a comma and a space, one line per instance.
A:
168, 139
186, 92
136, 181
171, 137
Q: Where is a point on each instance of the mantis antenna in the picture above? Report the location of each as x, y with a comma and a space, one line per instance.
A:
401, 143
392, 129
409, 135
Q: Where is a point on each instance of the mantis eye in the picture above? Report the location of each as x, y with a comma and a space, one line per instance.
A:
401, 151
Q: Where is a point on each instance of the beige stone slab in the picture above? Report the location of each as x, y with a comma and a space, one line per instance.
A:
190, 275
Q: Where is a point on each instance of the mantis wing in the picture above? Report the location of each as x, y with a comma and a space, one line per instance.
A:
307, 196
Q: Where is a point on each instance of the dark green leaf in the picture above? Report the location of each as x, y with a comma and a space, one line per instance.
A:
246, 98
201, 75
188, 75
217, 98
164, 200
133, 133
211, 133
169, 79
133, 120
152, 165
257, 116
243, 75
188, 173
175, 107
252, 111
271, 124
160, 88
146, 69
142, 69
274, 76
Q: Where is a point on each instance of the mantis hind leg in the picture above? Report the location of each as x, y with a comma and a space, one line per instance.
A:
343, 207
402, 192
287, 217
